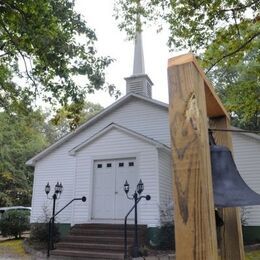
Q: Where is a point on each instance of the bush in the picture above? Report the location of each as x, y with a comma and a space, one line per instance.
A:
40, 232
14, 223
162, 238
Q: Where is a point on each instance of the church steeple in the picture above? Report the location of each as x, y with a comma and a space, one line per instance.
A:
138, 55
139, 82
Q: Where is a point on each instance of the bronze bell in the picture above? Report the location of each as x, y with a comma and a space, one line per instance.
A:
229, 188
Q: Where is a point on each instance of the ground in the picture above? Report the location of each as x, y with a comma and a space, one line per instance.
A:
13, 249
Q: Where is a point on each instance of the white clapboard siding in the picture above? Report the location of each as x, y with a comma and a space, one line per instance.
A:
53, 169
165, 186
115, 144
138, 115
247, 158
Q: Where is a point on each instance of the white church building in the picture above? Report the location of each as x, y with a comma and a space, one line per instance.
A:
128, 140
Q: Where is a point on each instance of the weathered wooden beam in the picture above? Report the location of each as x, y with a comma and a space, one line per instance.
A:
213, 104
195, 228
231, 240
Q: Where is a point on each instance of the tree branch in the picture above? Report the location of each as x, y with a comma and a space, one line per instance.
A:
235, 51
239, 8
20, 52
237, 27
12, 6
4, 54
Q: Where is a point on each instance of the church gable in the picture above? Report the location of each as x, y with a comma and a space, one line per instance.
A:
144, 116
121, 129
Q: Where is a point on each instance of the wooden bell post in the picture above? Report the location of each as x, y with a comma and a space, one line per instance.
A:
193, 108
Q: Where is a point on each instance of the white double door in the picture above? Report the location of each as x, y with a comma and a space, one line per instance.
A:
109, 198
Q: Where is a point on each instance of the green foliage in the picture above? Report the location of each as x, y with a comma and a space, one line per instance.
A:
161, 237
14, 223
192, 24
224, 34
20, 139
23, 136
46, 44
237, 83
40, 230
65, 119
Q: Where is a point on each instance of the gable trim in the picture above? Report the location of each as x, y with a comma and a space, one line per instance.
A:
122, 129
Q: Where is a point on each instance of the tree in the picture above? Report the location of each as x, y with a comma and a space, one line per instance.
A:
237, 83
223, 33
65, 120
14, 223
20, 139
44, 44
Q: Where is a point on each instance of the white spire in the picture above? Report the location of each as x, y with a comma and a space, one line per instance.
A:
139, 83
138, 67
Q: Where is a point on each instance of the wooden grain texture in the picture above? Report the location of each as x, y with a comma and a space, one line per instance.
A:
213, 104
195, 228
231, 241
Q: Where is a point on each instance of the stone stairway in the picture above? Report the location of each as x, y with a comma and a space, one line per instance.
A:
97, 241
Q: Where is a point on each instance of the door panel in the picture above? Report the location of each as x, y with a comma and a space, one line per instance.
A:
109, 198
104, 190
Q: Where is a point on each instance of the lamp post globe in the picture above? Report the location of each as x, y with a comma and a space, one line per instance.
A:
47, 188
140, 187
126, 187
56, 188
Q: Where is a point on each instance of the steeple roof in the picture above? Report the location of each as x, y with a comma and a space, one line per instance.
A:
139, 83
138, 67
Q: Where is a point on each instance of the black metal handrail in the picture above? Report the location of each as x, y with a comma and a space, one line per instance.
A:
51, 225
147, 197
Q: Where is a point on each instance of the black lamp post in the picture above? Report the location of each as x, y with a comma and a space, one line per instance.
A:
56, 195
136, 197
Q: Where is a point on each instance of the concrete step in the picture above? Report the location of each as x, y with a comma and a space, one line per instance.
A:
90, 247
96, 239
101, 232
109, 226
87, 255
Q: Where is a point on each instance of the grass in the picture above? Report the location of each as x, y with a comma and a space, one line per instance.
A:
253, 255
13, 248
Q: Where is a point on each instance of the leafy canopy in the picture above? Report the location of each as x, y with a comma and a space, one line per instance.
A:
67, 118
225, 34
44, 45
237, 82
20, 138
23, 136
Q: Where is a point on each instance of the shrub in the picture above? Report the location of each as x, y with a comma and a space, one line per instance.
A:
40, 232
162, 238
14, 223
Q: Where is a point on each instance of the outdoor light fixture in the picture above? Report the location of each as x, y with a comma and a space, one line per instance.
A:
56, 195
126, 187
140, 187
47, 188
136, 197
58, 188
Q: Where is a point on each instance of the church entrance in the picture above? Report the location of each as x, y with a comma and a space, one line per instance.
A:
109, 198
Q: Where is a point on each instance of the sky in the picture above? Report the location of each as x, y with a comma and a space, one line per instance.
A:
112, 42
